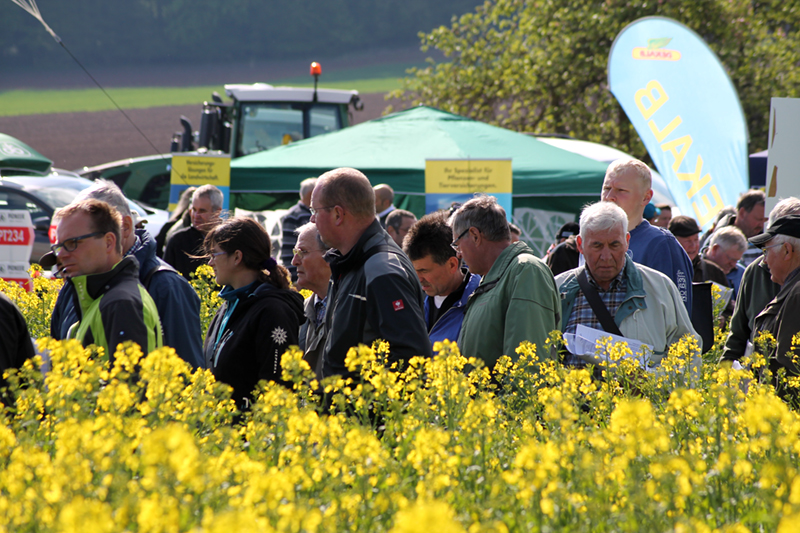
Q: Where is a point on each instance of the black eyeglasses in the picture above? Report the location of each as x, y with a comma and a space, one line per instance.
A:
454, 244
71, 245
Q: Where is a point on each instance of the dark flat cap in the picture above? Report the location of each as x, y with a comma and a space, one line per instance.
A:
48, 260
683, 226
788, 225
568, 229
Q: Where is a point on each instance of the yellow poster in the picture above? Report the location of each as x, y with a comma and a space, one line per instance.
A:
490, 176
454, 181
192, 169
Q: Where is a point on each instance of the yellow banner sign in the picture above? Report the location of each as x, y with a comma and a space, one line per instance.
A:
200, 169
491, 176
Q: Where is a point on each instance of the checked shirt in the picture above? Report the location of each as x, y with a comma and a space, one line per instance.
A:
582, 312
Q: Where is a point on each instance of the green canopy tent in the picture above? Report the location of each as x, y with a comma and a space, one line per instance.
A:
550, 185
17, 157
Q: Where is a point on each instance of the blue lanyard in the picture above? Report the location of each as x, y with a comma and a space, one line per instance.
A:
228, 313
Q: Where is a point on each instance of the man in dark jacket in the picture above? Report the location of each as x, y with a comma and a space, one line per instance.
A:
781, 247
687, 232
298, 215
374, 291
110, 304
184, 249
177, 303
755, 292
446, 283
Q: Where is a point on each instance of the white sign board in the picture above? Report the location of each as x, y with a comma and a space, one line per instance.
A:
16, 245
783, 159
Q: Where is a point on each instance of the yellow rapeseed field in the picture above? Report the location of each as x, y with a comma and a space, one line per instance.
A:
147, 445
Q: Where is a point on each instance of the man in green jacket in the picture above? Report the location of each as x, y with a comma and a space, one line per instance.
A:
113, 307
517, 299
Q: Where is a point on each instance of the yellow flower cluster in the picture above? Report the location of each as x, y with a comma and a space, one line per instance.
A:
149, 445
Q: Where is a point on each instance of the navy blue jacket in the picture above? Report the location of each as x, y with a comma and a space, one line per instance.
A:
177, 303
449, 324
658, 249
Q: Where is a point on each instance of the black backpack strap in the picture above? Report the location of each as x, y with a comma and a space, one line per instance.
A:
600, 310
161, 267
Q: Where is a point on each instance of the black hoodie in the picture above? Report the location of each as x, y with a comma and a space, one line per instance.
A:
264, 323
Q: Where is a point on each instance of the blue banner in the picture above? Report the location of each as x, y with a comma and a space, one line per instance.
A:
679, 98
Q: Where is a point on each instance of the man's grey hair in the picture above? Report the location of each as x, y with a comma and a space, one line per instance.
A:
482, 212
787, 206
309, 227
625, 165
794, 241
210, 192
108, 192
729, 237
602, 216
307, 187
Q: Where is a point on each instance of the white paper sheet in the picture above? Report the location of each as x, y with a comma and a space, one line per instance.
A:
585, 343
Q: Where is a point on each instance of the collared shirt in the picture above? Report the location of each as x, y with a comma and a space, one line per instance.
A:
582, 312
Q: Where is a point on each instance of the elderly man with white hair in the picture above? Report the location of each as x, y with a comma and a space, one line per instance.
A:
780, 245
613, 293
628, 183
756, 291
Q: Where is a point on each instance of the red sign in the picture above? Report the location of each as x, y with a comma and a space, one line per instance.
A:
19, 236
398, 305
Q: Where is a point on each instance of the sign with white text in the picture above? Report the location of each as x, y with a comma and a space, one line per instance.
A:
16, 245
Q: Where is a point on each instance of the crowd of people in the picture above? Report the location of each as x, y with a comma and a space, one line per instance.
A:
376, 272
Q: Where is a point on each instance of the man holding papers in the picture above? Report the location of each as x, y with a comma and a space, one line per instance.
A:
613, 294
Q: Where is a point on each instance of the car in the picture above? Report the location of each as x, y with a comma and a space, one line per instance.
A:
43, 195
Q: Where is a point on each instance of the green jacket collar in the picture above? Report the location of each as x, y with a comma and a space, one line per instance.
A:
504, 260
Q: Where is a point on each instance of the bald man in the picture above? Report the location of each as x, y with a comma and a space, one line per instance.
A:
374, 291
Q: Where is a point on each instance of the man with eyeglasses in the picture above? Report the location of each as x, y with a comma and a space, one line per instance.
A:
177, 302
781, 248
517, 299
112, 305
756, 291
374, 292
313, 274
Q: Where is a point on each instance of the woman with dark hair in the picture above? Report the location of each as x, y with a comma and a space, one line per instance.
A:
260, 316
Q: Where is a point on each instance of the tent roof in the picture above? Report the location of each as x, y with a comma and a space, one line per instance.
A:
17, 156
393, 150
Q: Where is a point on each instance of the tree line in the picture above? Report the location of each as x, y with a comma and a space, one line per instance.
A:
541, 65
168, 31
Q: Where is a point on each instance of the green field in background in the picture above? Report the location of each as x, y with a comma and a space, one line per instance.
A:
37, 102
